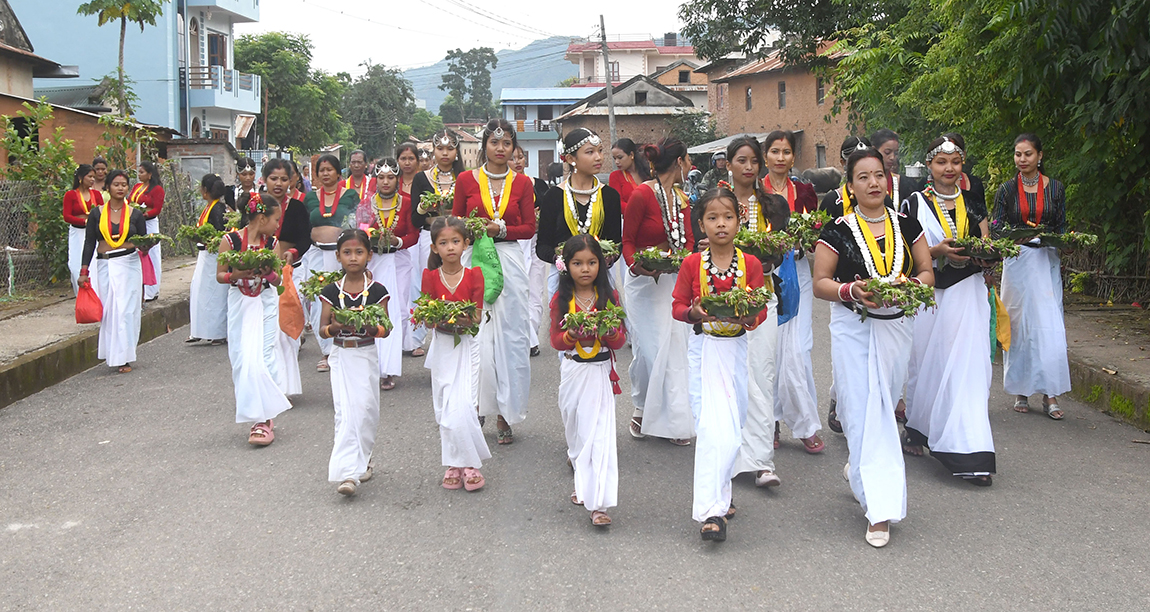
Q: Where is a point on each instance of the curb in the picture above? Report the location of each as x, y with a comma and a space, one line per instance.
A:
1119, 395
43, 368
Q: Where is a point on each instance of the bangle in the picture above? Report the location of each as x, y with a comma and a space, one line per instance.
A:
228, 277
380, 331
849, 295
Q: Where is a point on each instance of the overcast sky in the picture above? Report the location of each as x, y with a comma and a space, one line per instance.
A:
411, 33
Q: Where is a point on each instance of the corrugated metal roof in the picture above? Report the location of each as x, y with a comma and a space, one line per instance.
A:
770, 63
630, 111
81, 97
558, 95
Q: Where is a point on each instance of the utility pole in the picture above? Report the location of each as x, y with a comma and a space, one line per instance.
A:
607, 79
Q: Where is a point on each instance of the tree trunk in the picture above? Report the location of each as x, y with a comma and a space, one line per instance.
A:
120, 69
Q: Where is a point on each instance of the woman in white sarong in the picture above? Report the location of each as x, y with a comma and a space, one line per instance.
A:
758, 212
149, 194
81, 200
253, 321
453, 358
718, 370
354, 363
208, 299
587, 378
506, 201
870, 356
413, 258
948, 386
293, 236
119, 278
1032, 284
658, 215
385, 214
438, 179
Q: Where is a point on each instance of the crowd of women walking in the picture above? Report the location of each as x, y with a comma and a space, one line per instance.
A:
724, 385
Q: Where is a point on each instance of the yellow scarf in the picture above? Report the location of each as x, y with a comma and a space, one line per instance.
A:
504, 198
886, 257
350, 184
960, 218
390, 221
595, 348
106, 227
723, 329
595, 209
207, 211
847, 206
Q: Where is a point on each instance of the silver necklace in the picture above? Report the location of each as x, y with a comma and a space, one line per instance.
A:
882, 219
672, 219
494, 175
714, 272
594, 187
585, 304
443, 277
948, 197
1031, 182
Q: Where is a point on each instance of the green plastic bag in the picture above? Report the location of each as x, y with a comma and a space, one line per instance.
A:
484, 255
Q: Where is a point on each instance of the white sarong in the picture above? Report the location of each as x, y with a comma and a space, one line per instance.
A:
355, 394
76, 256
796, 398
414, 335
207, 300
870, 361
119, 283
253, 324
757, 451
454, 394
537, 283
658, 368
1032, 293
718, 387
587, 406
321, 261
947, 400
153, 291
384, 270
504, 345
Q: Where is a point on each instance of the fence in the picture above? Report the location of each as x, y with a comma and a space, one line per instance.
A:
182, 202
21, 267
1085, 273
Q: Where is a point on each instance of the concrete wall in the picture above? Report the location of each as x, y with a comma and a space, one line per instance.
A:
802, 112
200, 157
150, 57
15, 77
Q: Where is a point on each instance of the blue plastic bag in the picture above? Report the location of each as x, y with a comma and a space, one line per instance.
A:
787, 288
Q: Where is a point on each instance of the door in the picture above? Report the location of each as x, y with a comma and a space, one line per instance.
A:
218, 50
546, 157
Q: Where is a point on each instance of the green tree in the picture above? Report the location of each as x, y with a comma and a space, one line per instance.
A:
43, 159
451, 109
570, 81
143, 12
468, 82
693, 128
302, 104
422, 125
375, 105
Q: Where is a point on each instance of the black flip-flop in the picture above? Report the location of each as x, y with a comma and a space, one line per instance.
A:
719, 535
832, 418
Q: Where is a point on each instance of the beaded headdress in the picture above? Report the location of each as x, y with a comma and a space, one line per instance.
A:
948, 146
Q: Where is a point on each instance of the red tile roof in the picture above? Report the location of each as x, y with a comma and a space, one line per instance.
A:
624, 45
772, 62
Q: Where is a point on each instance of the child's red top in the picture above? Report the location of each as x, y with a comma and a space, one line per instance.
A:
687, 286
520, 213
559, 343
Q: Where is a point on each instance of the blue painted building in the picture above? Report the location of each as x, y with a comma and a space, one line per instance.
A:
182, 68
531, 111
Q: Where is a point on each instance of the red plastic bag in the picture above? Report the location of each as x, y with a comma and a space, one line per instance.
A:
148, 271
88, 306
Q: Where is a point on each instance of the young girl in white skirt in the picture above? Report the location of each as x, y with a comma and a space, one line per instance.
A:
78, 203
354, 363
208, 299
119, 277
453, 358
588, 381
253, 321
717, 357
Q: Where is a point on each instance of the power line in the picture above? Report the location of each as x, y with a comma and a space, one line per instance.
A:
499, 19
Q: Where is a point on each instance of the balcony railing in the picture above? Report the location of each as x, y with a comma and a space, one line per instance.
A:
538, 125
224, 81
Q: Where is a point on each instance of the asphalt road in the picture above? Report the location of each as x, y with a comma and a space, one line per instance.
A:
140, 492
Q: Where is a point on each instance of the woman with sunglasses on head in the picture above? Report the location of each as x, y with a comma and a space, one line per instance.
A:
438, 179
506, 200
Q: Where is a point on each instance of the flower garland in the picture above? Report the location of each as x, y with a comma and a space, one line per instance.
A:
869, 246
672, 220
106, 227
592, 223
595, 348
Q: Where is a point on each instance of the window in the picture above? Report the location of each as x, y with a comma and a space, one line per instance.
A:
217, 50
219, 134
684, 77
782, 94
640, 98
748, 98
520, 112
721, 96
614, 71
546, 112
820, 156
820, 90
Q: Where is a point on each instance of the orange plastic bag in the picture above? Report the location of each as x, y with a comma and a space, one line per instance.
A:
291, 311
89, 309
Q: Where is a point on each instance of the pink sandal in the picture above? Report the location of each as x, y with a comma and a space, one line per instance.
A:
261, 434
455, 474
470, 475
814, 444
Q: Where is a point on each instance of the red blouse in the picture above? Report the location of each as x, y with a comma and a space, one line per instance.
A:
152, 199
559, 343
401, 226
621, 181
74, 212
470, 286
687, 286
643, 223
520, 214
362, 188
805, 198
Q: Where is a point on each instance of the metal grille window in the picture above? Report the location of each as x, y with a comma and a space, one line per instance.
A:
820, 90
782, 94
748, 98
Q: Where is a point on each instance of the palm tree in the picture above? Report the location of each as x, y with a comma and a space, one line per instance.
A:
143, 12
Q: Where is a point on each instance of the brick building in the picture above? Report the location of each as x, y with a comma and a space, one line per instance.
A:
766, 94
684, 78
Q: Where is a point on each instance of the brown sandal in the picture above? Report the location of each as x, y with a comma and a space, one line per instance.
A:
600, 519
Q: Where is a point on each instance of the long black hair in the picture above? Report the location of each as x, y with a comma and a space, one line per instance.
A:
489, 129
574, 244
434, 261
769, 206
214, 186
628, 147
664, 154
82, 171
153, 175
457, 165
